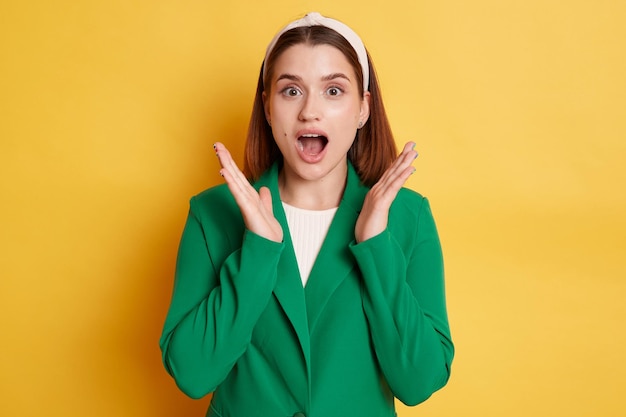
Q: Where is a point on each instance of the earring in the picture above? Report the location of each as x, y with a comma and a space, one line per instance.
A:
360, 125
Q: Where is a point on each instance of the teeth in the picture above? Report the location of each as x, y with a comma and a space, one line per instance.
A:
311, 135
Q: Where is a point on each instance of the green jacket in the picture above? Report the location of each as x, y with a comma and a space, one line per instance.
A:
370, 325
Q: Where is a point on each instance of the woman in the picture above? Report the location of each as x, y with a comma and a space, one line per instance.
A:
318, 290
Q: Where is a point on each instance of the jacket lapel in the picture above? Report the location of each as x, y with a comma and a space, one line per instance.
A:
288, 289
333, 264
335, 261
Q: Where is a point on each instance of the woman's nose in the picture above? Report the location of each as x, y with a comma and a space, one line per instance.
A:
311, 108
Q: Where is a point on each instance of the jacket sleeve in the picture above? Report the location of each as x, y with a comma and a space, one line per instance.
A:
404, 302
215, 303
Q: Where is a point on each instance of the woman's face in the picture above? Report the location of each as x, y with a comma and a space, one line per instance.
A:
314, 108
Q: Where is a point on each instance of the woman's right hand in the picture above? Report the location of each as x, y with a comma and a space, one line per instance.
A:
256, 207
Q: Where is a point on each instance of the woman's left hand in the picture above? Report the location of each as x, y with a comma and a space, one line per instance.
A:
375, 212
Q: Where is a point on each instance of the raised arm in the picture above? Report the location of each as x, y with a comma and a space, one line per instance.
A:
404, 301
225, 274
405, 306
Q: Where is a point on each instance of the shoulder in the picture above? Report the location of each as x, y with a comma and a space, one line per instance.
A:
409, 213
408, 203
213, 204
217, 192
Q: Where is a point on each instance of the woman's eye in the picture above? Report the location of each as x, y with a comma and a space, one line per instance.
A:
291, 92
334, 91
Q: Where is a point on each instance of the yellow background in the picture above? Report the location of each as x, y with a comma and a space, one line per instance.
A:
108, 111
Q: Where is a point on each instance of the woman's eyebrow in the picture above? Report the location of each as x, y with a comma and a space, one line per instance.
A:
328, 77
335, 75
288, 77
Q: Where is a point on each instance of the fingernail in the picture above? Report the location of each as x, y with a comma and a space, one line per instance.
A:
413, 171
221, 173
215, 147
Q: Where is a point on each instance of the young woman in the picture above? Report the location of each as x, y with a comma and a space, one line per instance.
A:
318, 289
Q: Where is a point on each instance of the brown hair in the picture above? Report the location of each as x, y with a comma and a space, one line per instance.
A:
373, 149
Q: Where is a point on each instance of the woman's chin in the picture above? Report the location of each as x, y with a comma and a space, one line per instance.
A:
314, 171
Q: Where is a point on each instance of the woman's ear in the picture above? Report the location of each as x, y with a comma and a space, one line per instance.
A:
364, 114
266, 108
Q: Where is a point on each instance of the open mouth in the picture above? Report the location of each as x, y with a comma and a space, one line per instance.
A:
312, 144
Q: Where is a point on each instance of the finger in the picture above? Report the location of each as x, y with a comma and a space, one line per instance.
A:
408, 147
228, 164
398, 181
241, 196
387, 193
406, 157
402, 162
224, 157
266, 199
245, 196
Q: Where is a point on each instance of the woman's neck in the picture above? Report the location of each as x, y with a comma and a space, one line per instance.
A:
321, 194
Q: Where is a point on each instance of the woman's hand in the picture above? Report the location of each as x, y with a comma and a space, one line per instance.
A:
256, 207
375, 212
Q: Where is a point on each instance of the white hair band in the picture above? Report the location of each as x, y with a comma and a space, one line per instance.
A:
316, 19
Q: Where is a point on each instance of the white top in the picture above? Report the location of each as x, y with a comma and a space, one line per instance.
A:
308, 229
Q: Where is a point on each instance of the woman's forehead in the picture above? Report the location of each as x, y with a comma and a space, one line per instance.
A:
306, 59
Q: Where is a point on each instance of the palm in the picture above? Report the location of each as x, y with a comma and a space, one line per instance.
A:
375, 212
256, 207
